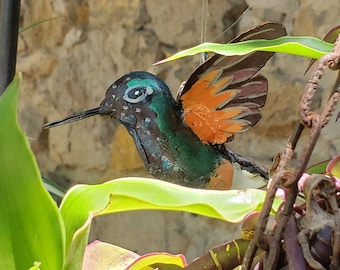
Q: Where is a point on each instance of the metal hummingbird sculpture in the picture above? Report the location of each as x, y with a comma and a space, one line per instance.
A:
183, 141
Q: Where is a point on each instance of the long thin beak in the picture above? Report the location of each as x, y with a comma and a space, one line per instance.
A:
73, 118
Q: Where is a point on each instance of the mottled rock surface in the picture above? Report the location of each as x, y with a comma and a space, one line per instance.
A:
69, 62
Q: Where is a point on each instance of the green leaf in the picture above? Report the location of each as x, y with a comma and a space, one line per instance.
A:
31, 229
159, 260
319, 168
83, 202
301, 46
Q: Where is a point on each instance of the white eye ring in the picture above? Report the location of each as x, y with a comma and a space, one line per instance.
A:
137, 94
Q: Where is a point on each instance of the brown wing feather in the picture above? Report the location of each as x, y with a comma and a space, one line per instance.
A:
222, 96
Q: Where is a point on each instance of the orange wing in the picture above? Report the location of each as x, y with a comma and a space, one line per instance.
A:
222, 96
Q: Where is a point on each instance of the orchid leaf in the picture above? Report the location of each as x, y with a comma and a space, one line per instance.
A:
159, 260
84, 202
31, 228
296, 45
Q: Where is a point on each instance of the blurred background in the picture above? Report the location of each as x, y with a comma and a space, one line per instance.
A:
68, 64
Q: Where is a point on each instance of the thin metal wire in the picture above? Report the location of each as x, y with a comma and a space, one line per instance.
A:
233, 24
204, 55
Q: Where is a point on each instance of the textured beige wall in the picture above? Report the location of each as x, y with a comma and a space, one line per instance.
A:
68, 64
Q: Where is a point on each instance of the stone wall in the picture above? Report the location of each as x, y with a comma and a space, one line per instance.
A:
69, 62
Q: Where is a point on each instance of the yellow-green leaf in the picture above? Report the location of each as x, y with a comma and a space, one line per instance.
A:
301, 46
83, 202
31, 229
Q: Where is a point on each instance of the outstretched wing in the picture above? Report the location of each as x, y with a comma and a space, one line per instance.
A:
223, 95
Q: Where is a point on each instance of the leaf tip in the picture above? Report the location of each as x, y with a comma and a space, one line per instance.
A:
162, 61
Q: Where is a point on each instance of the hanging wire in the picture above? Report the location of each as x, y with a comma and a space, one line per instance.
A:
204, 24
234, 23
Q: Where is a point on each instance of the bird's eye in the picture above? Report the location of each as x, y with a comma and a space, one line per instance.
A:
138, 94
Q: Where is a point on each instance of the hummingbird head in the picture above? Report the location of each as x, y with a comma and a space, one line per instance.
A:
130, 97
127, 99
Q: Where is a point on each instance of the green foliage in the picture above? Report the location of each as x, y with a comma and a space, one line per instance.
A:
301, 46
319, 168
83, 202
31, 228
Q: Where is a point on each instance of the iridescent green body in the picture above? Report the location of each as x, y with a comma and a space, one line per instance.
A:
169, 149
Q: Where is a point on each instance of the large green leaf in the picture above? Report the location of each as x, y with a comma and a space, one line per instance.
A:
31, 228
83, 202
301, 46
